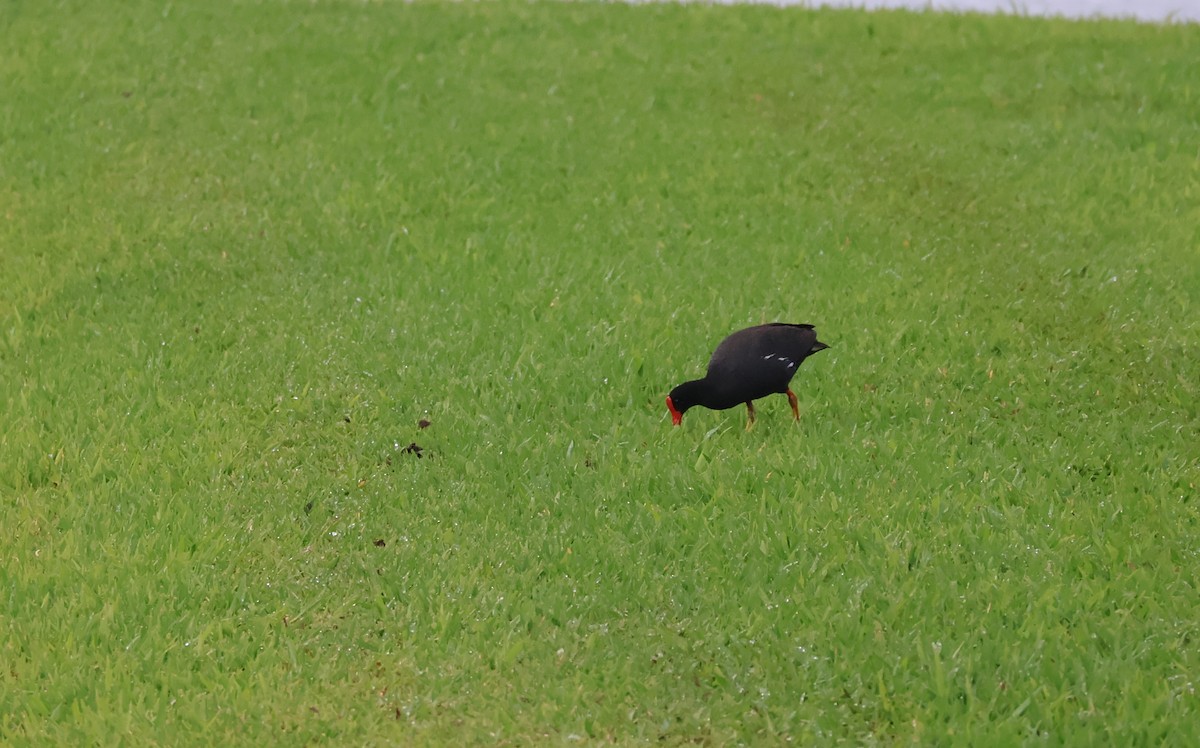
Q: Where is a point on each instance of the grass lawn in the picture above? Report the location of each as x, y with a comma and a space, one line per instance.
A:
247, 247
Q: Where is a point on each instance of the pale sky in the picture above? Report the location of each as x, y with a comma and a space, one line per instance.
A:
1145, 10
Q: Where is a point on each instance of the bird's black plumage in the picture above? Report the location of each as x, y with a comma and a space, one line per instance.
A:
747, 365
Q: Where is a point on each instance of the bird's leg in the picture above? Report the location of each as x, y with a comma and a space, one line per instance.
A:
792, 400
750, 414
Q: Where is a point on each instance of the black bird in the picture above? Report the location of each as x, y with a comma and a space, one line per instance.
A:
747, 365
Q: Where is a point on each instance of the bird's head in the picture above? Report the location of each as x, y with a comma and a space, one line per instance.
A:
681, 398
676, 414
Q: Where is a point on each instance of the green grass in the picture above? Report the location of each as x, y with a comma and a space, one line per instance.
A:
246, 246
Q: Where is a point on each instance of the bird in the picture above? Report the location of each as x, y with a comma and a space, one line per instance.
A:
748, 365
